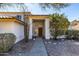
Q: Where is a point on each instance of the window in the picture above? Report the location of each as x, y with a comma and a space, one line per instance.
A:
18, 17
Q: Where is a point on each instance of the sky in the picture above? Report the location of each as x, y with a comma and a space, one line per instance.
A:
71, 12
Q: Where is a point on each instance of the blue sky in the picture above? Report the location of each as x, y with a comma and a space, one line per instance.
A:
72, 11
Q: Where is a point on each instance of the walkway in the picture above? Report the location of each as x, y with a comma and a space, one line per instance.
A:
38, 48
32, 48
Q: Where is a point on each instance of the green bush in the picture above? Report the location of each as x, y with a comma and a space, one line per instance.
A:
57, 33
7, 40
72, 34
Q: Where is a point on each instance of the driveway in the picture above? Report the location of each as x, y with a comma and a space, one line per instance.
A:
32, 48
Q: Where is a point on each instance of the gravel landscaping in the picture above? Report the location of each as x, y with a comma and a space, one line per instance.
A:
42, 47
30, 48
19, 49
62, 47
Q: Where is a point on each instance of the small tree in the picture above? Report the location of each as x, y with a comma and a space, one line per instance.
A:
58, 22
23, 8
55, 6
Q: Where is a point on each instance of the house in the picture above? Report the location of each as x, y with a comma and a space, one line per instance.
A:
74, 25
13, 22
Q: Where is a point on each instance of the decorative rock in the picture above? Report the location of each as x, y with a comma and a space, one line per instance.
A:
34, 39
54, 43
45, 42
49, 42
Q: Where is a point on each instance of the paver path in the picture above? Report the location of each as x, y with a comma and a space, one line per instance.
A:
32, 48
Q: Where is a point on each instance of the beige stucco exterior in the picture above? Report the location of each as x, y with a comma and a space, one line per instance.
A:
74, 25
11, 24
38, 17
38, 24
11, 13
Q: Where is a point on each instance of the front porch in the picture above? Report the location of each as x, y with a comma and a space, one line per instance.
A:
38, 26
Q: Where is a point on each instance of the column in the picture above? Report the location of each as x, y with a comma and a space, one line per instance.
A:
47, 30
30, 28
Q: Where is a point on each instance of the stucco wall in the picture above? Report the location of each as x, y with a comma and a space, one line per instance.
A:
19, 31
6, 27
12, 27
76, 27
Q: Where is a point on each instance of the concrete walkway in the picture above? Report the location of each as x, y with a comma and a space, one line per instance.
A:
37, 48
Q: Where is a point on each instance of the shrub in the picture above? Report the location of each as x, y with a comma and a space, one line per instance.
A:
57, 33
72, 34
7, 40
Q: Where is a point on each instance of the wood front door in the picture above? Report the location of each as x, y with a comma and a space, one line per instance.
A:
40, 32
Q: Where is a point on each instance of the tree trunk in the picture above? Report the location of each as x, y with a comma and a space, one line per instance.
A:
55, 34
25, 30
